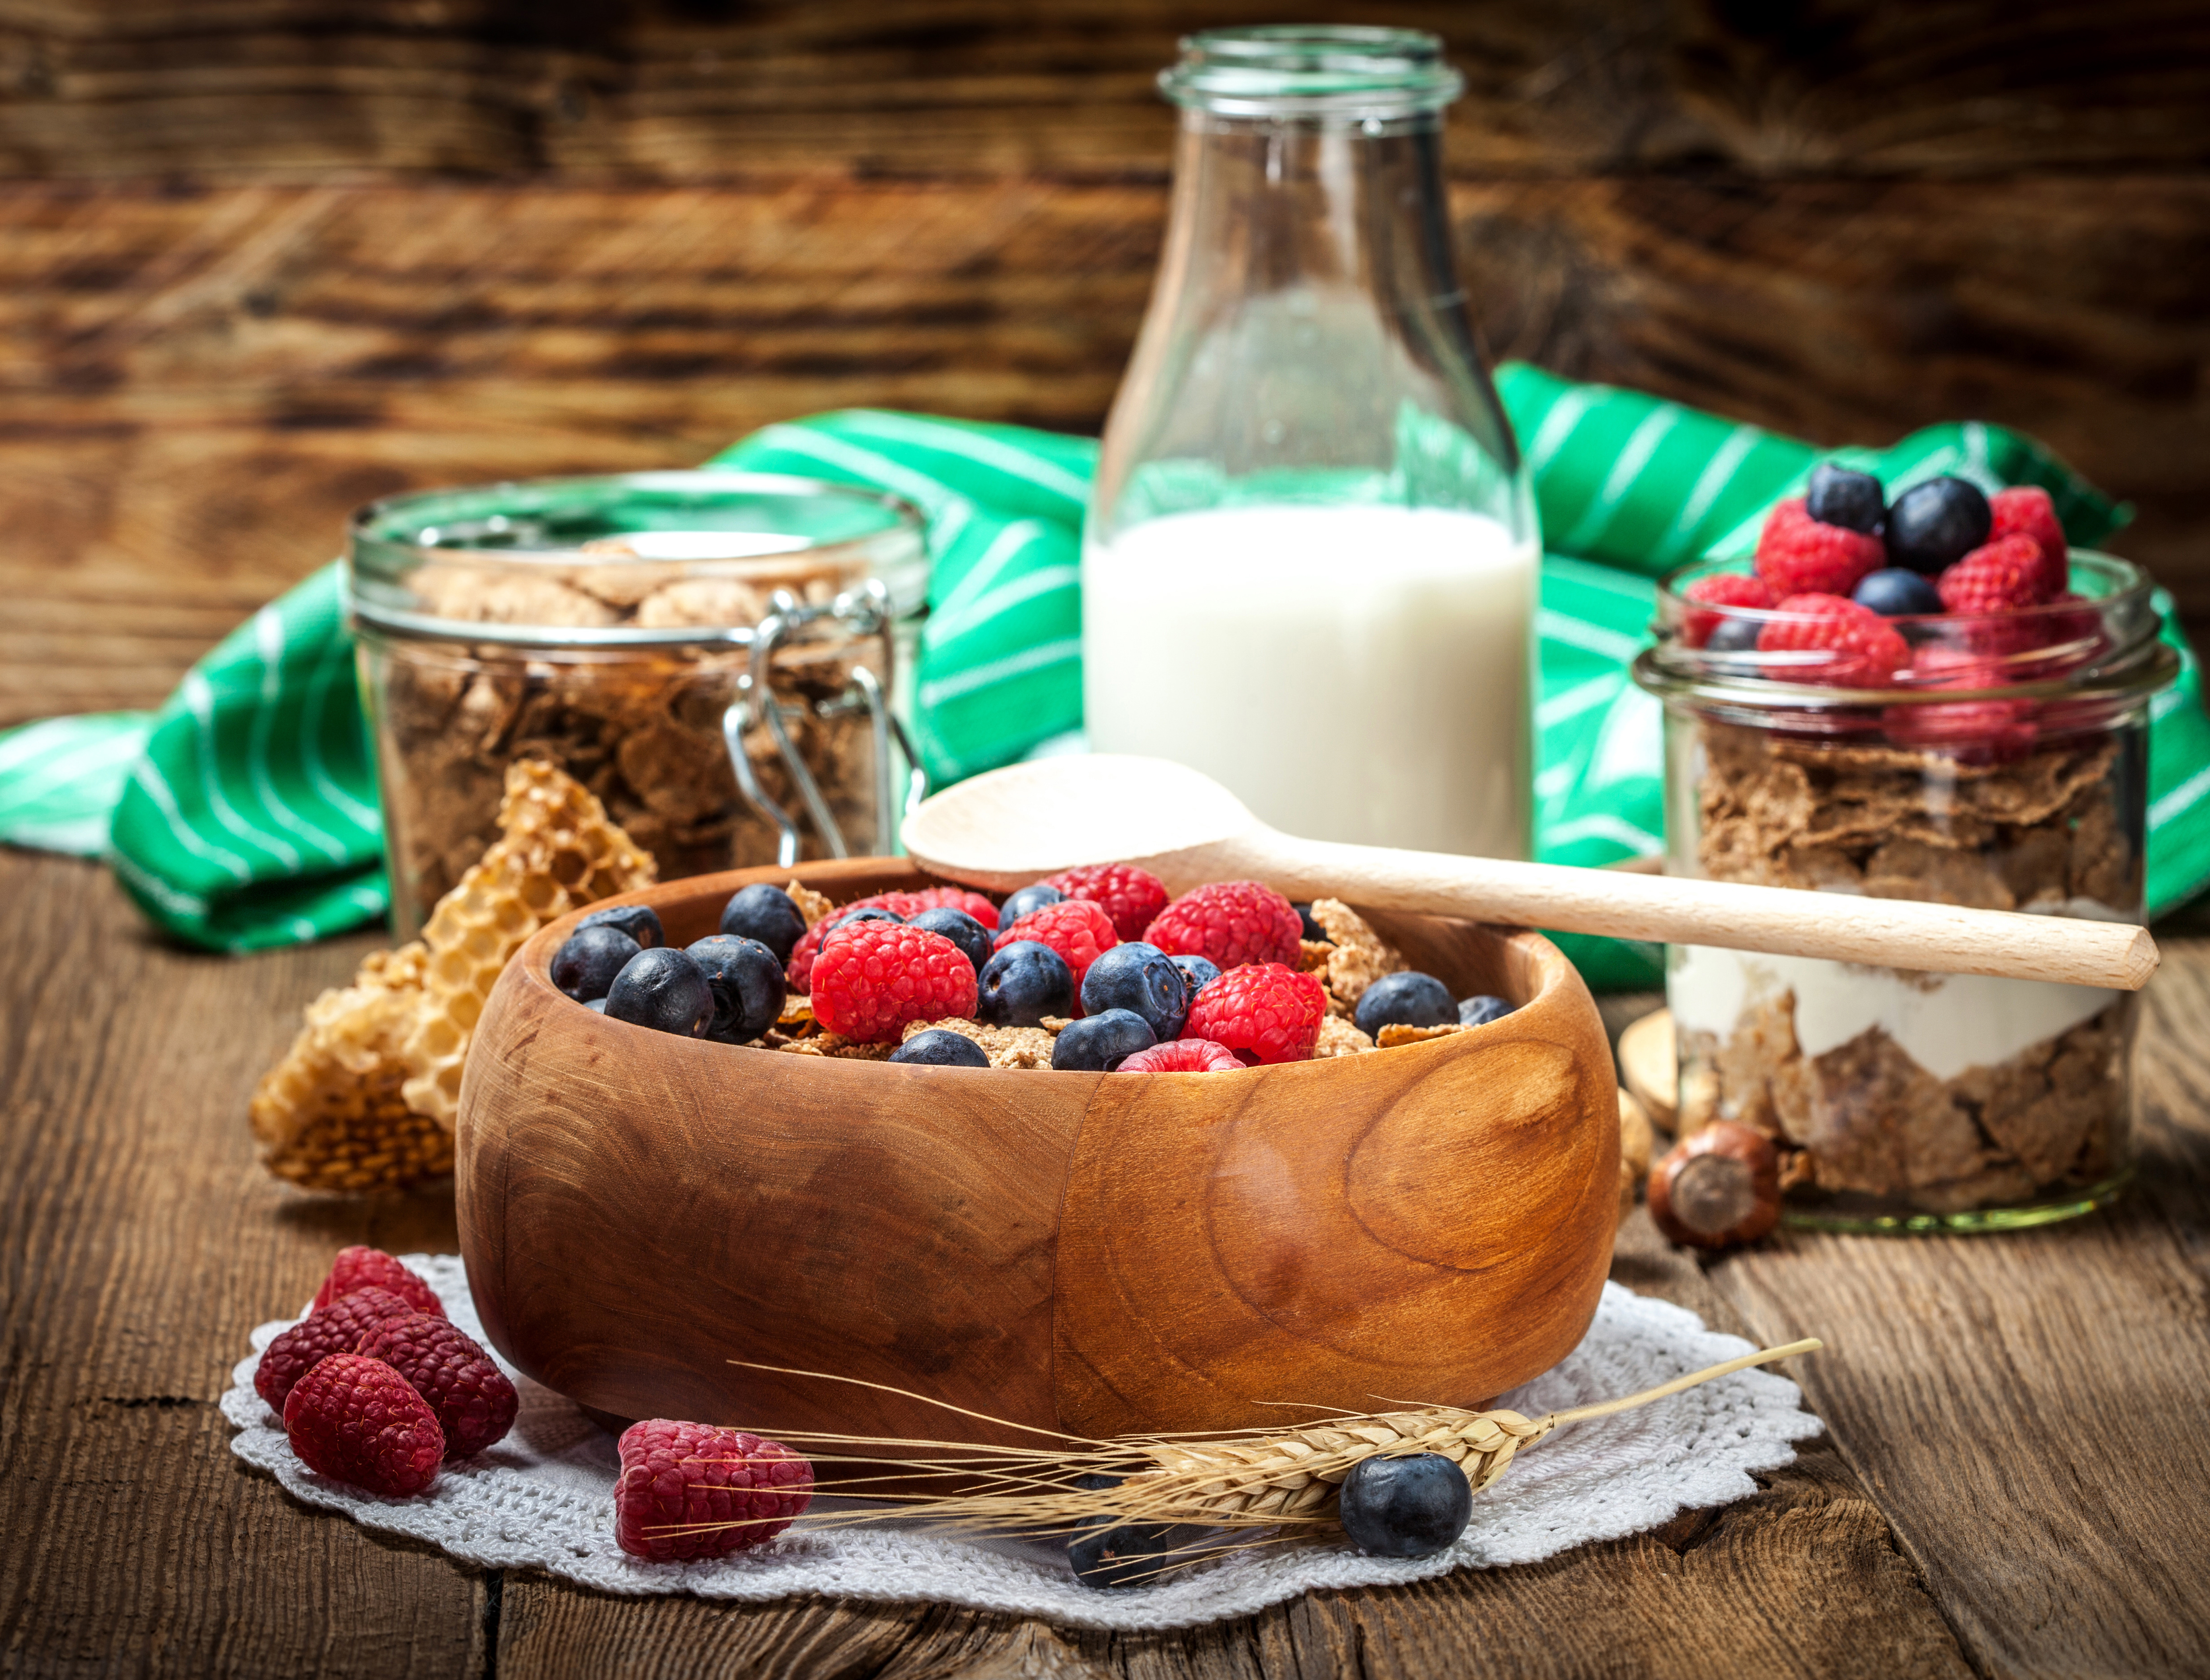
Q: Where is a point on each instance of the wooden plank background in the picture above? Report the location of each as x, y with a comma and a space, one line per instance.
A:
262, 259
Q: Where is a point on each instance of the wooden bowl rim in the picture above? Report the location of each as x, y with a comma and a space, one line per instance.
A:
1554, 972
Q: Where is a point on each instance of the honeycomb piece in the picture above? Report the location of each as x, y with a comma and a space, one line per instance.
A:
557, 850
329, 1116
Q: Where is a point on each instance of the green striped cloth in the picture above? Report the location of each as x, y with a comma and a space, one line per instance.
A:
243, 814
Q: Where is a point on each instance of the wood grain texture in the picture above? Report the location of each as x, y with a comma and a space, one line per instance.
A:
105, 86
1074, 1251
2091, 1334
139, 1244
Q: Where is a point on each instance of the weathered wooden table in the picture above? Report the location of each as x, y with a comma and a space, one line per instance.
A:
2016, 1478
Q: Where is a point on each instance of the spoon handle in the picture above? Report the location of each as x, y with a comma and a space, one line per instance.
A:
1673, 910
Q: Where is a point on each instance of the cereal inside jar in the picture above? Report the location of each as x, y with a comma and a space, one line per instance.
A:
1965, 728
625, 631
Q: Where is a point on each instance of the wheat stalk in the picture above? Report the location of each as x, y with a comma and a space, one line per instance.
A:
1232, 1478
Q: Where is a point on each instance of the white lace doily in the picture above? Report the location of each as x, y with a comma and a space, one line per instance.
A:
543, 1497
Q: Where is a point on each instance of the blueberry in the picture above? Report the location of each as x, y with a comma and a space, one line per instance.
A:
1028, 898
1480, 1010
1735, 635
1142, 979
1408, 1507
1406, 998
641, 922
765, 913
1022, 984
1098, 1044
1109, 1552
1839, 497
939, 1048
747, 984
598, 1004
873, 913
1313, 930
1199, 971
587, 962
961, 929
1936, 524
1894, 593
663, 989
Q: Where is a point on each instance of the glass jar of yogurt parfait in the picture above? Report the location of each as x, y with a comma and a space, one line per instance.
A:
2001, 766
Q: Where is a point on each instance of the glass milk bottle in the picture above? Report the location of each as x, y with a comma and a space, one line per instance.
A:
1309, 568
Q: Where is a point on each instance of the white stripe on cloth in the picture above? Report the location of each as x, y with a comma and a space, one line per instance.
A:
199, 700
30, 786
1037, 658
311, 741
174, 900
1634, 455
1602, 825
988, 451
1579, 698
268, 635
1048, 581
2180, 800
1589, 638
149, 781
51, 737
989, 563
947, 511
1557, 427
1705, 491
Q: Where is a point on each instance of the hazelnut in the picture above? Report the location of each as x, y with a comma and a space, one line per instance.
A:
1718, 1188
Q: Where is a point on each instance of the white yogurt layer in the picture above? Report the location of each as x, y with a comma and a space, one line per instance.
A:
1946, 1023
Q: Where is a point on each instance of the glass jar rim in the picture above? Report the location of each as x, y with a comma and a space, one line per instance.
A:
2118, 656
1350, 71
523, 525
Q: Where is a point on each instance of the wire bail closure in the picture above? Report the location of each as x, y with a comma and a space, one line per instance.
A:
860, 613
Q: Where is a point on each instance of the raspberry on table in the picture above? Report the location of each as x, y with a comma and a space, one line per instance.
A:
1862, 649
688, 1491
1263, 1012
1230, 923
1130, 896
1182, 1056
2000, 576
474, 1402
357, 1420
1077, 929
337, 1329
363, 1267
1798, 555
871, 978
2025, 510
1721, 589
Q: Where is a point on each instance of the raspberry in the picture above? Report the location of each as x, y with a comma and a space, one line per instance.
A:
474, 1402
337, 1329
797, 972
1862, 650
1077, 929
359, 1268
1798, 556
357, 1420
688, 1491
1999, 576
946, 897
1721, 589
871, 978
2026, 511
1265, 1012
1182, 1056
1228, 924
1977, 731
1130, 896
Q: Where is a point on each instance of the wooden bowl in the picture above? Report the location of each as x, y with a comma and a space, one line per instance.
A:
1096, 1253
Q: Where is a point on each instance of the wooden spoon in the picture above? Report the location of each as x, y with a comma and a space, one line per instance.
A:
1010, 827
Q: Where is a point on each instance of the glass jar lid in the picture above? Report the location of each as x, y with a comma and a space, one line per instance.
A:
631, 559
1312, 71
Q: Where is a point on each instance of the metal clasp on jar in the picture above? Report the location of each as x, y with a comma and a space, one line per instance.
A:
860, 612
